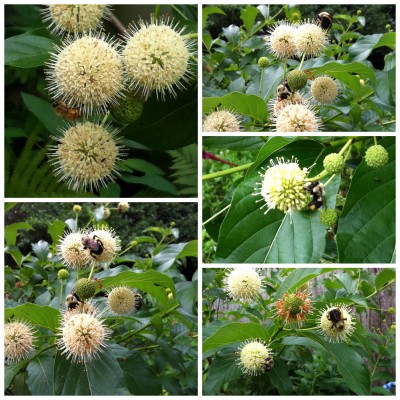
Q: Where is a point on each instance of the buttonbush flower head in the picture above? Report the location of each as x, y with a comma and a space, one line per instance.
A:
282, 40
70, 250
86, 156
297, 118
254, 357
276, 105
157, 57
282, 186
376, 156
336, 323
82, 337
81, 308
294, 307
86, 72
107, 244
324, 89
18, 341
121, 300
75, 18
222, 121
123, 207
310, 39
243, 284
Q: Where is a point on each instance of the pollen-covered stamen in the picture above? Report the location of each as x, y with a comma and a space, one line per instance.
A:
222, 121
294, 307
297, 118
243, 284
310, 39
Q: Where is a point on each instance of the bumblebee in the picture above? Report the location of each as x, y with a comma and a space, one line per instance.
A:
94, 244
317, 192
335, 316
62, 110
269, 364
283, 91
324, 20
72, 301
138, 301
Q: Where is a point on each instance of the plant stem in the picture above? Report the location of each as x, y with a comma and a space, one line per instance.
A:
157, 11
329, 180
302, 61
261, 81
227, 171
61, 293
348, 143
216, 215
375, 141
105, 118
91, 271
388, 122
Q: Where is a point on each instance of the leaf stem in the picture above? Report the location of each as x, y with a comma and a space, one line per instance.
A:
61, 293
216, 215
228, 171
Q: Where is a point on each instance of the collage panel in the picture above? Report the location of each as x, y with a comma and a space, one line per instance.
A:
299, 200
101, 100
299, 68
298, 332
100, 290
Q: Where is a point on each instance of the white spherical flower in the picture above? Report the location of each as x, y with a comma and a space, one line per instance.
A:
121, 300
70, 250
282, 186
310, 39
86, 156
86, 73
243, 284
82, 337
282, 40
255, 357
297, 118
157, 57
277, 105
324, 89
336, 323
18, 341
101, 245
75, 18
222, 121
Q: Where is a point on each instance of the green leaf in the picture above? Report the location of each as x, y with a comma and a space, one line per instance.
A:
206, 11
360, 50
153, 181
44, 316
39, 377
44, 112
279, 377
384, 277
99, 377
336, 70
11, 231
27, 51
367, 229
245, 104
186, 294
234, 332
248, 16
247, 235
349, 362
55, 229
166, 258
11, 370
141, 380
144, 166
240, 143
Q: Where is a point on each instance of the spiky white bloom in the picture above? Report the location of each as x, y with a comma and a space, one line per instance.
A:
86, 156
82, 337
75, 18
87, 73
70, 250
157, 57
297, 118
121, 300
282, 186
277, 105
324, 89
106, 238
310, 39
222, 121
18, 341
282, 40
243, 284
336, 323
254, 355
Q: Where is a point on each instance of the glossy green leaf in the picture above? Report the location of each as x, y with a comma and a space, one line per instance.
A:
142, 165
186, 294
248, 16
384, 277
11, 370
360, 50
279, 377
11, 231
234, 332
166, 257
247, 235
39, 377
349, 362
240, 143
44, 316
367, 230
27, 51
99, 377
140, 379
206, 11
154, 181
55, 229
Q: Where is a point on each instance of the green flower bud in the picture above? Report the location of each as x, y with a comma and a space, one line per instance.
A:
76, 208
128, 109
376, 156
391, 310
263, 62
170, 296
297, 79
359, 12
85, 289
106, 213
328, 217
63, 274
334, 163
